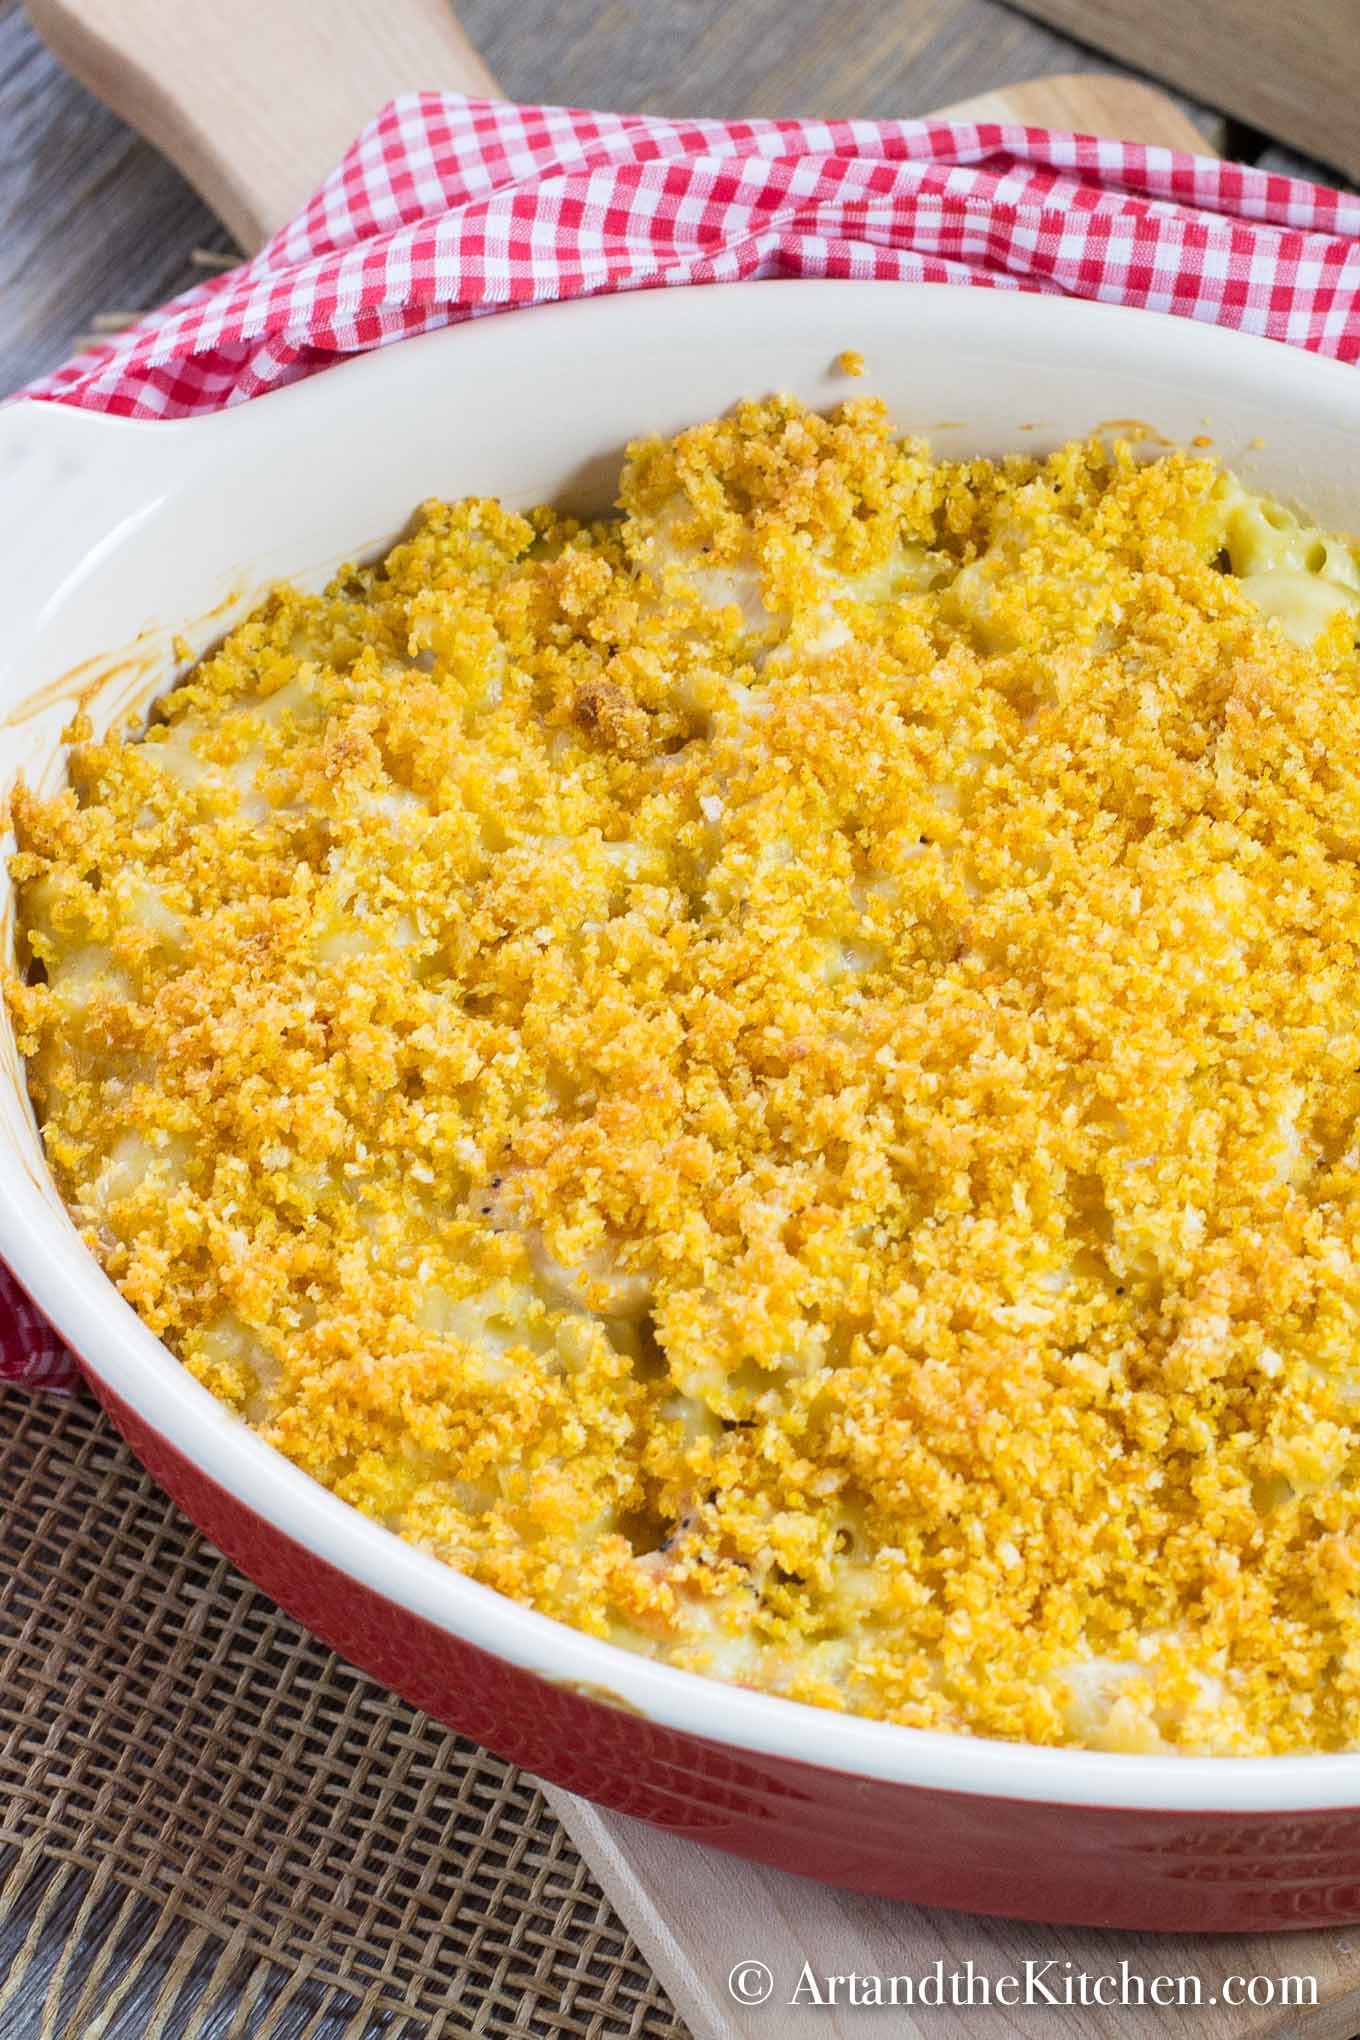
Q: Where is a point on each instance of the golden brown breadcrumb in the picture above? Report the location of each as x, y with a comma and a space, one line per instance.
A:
776, 1078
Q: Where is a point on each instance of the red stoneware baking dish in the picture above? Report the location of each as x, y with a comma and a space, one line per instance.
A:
118, 538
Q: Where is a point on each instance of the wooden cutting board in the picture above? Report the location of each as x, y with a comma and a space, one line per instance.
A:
700, 1916
245, 115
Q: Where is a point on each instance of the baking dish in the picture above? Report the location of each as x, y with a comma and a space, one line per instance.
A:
117, 537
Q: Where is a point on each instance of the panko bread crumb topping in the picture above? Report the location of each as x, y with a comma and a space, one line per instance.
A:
776, 1078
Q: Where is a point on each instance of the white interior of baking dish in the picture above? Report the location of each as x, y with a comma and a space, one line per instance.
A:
115, 537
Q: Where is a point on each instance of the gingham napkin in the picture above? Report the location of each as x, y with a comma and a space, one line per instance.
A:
447, 208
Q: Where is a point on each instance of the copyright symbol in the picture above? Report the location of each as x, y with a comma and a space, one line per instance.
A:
750, 1983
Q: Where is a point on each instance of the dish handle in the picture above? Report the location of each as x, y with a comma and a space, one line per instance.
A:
257, 100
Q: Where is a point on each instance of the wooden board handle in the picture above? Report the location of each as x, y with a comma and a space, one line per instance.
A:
255, 100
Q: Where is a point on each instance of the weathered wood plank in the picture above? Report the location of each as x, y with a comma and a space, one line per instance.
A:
878, 58
1287, 66
90, 218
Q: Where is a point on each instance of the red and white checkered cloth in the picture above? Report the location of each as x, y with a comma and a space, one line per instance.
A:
446, 208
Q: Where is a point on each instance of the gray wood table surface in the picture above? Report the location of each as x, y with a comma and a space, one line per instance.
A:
94, 223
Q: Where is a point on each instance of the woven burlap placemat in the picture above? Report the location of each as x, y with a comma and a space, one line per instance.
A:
213, 1828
